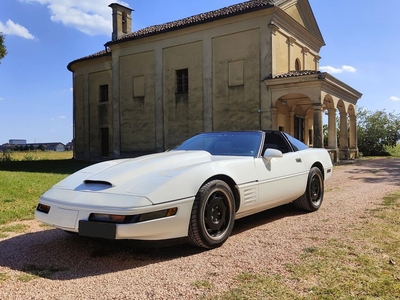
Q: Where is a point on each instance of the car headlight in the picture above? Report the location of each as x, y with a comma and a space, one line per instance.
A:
122, 219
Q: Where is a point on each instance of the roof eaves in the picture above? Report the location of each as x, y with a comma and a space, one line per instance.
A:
293, 74
202, 18
102, 53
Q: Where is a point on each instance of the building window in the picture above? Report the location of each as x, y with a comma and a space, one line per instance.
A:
103, 93
297, 65
182, 81
104, 142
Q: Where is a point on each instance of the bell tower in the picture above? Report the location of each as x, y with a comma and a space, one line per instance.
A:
122, 20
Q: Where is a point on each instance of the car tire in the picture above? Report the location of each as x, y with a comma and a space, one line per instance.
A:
213, 215
312, 198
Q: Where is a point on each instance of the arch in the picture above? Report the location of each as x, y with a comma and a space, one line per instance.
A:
341, 106
351, 110
328, 102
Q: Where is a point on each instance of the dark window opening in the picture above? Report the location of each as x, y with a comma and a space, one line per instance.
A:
182, 81
104, 142
124, 23
299, 128
297, 65
103, 93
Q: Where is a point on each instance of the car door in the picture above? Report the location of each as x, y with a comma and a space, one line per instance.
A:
281, 179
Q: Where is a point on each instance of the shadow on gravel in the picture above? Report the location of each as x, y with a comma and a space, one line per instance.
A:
376, 171
57, 255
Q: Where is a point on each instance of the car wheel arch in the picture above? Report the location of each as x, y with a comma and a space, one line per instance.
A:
320, 167
232, 184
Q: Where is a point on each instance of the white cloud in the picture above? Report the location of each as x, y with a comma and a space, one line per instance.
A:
394, 98
62, 117
88, 16
11, 28
334, 70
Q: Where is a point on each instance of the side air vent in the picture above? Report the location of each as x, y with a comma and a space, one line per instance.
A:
101, 182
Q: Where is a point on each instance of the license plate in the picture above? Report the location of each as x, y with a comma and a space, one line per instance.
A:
97, 229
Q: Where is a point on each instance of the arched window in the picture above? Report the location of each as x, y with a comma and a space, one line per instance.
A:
124, 23
297, 65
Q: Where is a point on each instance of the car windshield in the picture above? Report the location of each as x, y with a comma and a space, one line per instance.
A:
225, 143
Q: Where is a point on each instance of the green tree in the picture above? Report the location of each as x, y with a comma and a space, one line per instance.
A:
377, 130
3, 49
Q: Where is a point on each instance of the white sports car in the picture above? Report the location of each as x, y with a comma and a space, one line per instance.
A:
195, 191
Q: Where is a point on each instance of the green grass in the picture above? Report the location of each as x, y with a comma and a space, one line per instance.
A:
34, 271
17, 228
362, 265
23, 181
3, 277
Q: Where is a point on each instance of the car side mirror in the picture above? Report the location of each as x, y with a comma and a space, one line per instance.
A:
272, 153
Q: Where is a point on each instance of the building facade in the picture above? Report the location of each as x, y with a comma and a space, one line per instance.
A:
254, 65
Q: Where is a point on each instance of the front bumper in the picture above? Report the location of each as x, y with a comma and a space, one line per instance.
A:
75, 218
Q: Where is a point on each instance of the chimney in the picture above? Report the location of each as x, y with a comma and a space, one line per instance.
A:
122, 20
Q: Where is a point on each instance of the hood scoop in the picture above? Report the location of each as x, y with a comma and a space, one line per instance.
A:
97, 182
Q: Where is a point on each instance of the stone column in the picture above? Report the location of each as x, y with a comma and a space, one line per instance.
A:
344, 137
344, 144
275, 118
291, 124
332, 130
353, 132
318, 134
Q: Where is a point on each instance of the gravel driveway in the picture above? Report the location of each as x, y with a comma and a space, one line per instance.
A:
78, 268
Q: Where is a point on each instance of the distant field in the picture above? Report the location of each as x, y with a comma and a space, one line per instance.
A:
27, 175
39, 155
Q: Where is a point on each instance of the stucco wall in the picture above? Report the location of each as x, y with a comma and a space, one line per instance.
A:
235, 105
281, 54
100, 114
137, 102
79, 117
183, 113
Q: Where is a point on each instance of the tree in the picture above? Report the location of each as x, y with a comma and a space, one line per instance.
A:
3, 49
377, 130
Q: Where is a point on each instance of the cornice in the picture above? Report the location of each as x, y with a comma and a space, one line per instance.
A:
286, 23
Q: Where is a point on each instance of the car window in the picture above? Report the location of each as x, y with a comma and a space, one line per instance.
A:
225, 143
276, 141
296, 144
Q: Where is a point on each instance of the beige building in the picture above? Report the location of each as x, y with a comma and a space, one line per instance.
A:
253, 65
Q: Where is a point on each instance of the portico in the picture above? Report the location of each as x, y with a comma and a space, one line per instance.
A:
302, 101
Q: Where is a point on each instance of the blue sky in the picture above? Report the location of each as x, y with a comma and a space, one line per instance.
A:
43, 36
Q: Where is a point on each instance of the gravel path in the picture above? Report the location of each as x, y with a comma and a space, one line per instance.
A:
80, 268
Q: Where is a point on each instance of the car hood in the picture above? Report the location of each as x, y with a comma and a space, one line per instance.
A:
159, 177
158, 165
127, 173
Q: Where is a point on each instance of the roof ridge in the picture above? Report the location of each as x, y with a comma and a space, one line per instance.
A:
209, 16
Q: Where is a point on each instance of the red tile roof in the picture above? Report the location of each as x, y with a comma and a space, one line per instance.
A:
225, 12
294, 74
